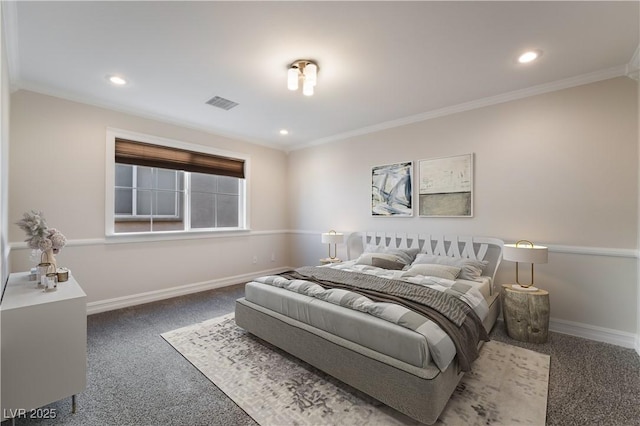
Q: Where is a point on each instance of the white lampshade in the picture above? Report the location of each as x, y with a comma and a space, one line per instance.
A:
292, 78
525, 253
311, 74
332, 238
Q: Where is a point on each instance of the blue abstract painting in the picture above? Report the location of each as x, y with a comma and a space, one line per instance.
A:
391, 190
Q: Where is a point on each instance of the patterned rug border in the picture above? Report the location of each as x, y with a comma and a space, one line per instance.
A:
482, 390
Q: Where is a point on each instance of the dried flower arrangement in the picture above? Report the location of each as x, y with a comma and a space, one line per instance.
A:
40, 236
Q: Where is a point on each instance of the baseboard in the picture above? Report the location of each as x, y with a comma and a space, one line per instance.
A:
154, 296
592, 332
600, 334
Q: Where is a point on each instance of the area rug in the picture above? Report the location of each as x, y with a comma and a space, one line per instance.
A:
507, 385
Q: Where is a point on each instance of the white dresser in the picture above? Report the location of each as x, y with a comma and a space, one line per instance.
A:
44, 344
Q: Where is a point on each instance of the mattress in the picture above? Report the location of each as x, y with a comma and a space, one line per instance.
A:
376, 326
483, 284
366, 330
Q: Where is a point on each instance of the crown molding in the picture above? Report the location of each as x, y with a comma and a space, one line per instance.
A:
579, 80
98, 103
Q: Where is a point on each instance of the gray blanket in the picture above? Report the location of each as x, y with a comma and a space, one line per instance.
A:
453, 315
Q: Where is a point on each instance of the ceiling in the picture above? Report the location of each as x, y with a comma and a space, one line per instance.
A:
380, 63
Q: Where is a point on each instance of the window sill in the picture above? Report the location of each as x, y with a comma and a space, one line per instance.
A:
142, 237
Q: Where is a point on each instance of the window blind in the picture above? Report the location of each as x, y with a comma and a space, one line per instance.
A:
164, 157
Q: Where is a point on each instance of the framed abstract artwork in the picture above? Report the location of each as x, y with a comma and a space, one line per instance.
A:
391, 190
445, 187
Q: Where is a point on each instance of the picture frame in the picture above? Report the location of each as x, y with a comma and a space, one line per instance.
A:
392, 190
445, 187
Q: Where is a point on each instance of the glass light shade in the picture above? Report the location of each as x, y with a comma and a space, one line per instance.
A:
307, 88
292, 78
311, 74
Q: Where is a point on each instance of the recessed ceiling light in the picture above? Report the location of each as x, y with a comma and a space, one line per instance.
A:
284, 132
117, 80
529, 56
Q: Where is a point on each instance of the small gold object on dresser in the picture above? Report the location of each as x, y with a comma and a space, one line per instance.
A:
526, 314
63, 275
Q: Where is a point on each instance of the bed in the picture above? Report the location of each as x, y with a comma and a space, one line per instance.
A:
365, 321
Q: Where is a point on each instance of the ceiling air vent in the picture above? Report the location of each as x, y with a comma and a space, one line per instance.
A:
223, 103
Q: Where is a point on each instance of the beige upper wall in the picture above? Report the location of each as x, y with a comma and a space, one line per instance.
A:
559, 168
58, 164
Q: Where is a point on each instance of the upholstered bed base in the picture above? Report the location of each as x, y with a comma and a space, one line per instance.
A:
420, 396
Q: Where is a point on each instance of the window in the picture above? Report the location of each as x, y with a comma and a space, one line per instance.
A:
155, 186
148, 199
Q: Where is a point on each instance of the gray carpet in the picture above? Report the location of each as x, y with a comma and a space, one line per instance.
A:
590, 383
136, 378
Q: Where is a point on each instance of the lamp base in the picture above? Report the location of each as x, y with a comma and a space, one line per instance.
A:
329, 260
521, 288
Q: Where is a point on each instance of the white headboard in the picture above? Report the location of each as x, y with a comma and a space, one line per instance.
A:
480, 248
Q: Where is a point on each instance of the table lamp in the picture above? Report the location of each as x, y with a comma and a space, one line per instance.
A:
332, 237
526, 252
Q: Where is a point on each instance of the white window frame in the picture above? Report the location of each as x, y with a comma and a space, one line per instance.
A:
110, 166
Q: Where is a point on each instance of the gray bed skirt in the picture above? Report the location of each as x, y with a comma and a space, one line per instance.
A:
421, 395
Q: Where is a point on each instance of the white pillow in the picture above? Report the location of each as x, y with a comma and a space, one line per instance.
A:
433, 270
470, 269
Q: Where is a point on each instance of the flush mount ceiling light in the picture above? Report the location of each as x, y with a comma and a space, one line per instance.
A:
303, 70
284, 132
117, 80
529, 56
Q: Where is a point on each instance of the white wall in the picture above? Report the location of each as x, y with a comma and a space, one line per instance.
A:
57, 165
4, 161
4, 157
559, 169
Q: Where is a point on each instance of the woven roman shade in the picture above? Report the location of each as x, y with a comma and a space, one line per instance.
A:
164, 157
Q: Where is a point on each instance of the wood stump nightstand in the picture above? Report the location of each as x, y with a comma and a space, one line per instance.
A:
526, 314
